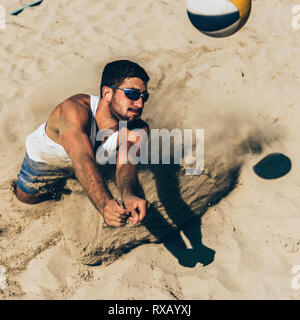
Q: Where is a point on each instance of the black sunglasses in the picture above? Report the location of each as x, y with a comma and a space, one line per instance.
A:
134, 94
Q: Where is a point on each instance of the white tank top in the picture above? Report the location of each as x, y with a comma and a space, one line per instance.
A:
41, 148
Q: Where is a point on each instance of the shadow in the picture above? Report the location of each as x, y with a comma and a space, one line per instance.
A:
273, 166
184, 220
167, 184
54, 190
185, 256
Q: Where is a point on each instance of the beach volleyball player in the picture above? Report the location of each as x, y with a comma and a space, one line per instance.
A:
67, 142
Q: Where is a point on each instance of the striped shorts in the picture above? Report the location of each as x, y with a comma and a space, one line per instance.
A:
37, 177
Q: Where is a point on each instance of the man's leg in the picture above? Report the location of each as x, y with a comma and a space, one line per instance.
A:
29, 198
39, 182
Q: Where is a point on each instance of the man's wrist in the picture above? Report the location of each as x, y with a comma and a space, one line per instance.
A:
126, 194
103, 204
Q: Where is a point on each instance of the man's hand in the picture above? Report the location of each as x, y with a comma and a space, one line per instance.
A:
137, 208
115, 215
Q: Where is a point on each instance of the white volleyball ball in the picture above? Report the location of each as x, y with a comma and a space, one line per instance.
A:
218, 18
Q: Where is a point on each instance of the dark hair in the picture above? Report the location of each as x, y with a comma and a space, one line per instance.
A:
115, 72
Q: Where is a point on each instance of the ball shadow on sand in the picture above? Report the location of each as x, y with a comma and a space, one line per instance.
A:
273, 166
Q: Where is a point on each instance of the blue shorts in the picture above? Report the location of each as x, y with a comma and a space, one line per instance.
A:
38, 177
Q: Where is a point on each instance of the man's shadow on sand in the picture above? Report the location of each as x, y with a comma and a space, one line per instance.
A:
167, 185
168, 190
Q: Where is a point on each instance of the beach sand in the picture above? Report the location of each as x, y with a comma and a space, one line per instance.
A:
227, 234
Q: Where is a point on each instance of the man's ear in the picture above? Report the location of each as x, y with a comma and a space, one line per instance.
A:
107, 94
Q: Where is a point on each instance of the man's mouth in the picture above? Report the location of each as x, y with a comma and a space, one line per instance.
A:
134, 111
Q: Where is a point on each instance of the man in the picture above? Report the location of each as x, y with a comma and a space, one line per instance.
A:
68, 138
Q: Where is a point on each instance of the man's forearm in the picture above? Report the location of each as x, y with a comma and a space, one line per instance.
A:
126, 179
91, 181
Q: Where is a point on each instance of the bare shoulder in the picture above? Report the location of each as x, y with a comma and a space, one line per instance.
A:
81, 98
76, 110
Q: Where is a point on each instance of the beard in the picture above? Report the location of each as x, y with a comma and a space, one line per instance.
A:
117, 111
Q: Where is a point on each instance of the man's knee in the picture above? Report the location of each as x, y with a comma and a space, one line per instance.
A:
27, 197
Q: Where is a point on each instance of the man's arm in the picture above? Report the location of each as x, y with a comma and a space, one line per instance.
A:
75, 119
126, 176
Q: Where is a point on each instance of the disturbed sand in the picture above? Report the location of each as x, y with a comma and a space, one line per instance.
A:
227, 234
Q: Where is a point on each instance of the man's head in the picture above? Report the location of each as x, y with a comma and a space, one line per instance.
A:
124, 74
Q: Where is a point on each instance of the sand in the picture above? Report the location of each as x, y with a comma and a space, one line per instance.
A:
227, 234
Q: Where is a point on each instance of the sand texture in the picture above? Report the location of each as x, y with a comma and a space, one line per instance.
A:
226, 234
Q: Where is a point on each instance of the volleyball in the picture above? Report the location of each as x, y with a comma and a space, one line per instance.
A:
218, 18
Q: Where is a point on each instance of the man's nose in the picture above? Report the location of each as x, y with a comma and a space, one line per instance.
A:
139, 103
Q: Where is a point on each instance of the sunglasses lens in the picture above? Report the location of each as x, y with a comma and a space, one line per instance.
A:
145, 97
135, 95
132, 94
